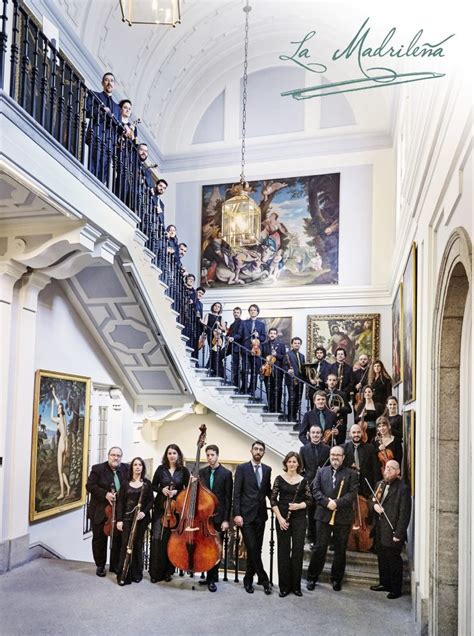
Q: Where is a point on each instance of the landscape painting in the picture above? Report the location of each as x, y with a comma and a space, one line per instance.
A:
298, 242
59, 443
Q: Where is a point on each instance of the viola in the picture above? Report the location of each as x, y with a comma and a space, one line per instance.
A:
217, 341
168, 518
384, 455
329, 435
267, 367
109, 511
255, 350
194, 545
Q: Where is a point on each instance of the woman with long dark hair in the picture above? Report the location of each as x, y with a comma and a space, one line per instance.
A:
394, 417
169, 479
386, 444
289, 499
367, 412
136, 490
380, 381
215, 331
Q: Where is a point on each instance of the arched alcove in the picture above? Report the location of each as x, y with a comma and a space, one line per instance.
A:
448, 423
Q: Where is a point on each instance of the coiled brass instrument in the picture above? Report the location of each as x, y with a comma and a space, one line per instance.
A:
313, 374
335, 400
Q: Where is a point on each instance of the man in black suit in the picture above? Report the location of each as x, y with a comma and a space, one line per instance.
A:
251, 328
103, 484
361, 457
334, 490
341, 411
321, 370
395, 502
360, 375
320, 415
251, 488
219, 480
294, 364
274, 382
234, 335
314, 455
343, 372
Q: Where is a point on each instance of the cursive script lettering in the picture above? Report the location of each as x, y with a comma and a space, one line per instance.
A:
303, 53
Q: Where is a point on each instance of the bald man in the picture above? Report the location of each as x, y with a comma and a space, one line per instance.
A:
392, 506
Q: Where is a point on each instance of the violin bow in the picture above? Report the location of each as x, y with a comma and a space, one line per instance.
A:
384, 513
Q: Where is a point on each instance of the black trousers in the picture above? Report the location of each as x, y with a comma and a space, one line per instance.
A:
160, 566
99, 547
274, 389
250, 371
212, 575
135, 567
253, 537
290, 553
310, 510
295, 393
318, 559
390, 566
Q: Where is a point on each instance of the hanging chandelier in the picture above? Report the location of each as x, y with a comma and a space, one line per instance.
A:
166, 12
240, 214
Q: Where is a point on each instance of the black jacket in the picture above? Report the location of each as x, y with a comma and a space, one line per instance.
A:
397, 506
278, 347
247, 332
323, 490
368, 464
292, 362
312, 460
249, 500
312, 417
347, 376
99, 483
222, 490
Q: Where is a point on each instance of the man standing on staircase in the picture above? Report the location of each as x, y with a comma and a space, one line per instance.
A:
253, 330
103, 485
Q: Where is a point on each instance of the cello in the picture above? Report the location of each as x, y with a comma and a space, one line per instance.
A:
194, 545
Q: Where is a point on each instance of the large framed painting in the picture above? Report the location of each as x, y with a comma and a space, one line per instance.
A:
356, 333
283, 326
397, 336
59, 443
409, 328
409, 433
293, 242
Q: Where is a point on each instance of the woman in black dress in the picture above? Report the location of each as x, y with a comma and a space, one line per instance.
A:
380, 381
386, 444
289, 499
169, 479
394, 417
368, 410
215, 330
136, 490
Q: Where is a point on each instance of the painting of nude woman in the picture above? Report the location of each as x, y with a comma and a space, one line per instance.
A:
298, 240
60, 443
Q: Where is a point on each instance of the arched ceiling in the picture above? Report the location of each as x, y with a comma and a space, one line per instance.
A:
173, 74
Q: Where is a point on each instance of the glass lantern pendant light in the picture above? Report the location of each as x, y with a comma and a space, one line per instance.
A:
166, 12
240, 214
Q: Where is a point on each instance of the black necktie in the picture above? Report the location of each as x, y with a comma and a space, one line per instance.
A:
333, 477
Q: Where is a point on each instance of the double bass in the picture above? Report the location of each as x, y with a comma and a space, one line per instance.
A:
194, 545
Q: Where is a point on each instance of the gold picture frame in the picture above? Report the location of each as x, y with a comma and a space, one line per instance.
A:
409, 327
397, 336
61, 415
356, 333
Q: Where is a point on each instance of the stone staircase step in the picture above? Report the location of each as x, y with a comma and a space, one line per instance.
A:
255, 408
240, 399
270, 417
211, 381
226, 389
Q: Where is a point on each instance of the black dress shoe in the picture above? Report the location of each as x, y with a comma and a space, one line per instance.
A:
136, 579
297, 592
393, 595
310, 585
248, 587
203, 582
100, 572
113, 571
168, 578
283, 593
267, 588
378, 588
212, 587
152, 580
336, 586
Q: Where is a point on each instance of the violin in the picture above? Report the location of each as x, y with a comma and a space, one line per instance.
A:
329, 434
194, 545
267, 367
255, 350
363, 424
168, 518
216, 339
384, 455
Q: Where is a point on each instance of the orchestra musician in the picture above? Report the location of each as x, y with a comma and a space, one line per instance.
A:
314, 455
367, 412
169, 479
218, 480
320, 415
343, 372
104, 482
380, 381
394, 417
252, 330
334, 490
393, 507
294, 363
317, 372
274, 382
387, 446
251, 488
234, 335
338, 403
215, 330
290, 497
136, 490
361, 457
361, 373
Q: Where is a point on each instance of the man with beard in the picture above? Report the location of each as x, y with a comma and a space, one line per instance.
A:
338, 404
234, 335
361, 374
314, 455
251, 488
361, 457
274, 382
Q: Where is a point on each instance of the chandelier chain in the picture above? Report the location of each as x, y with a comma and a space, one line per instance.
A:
246, 10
